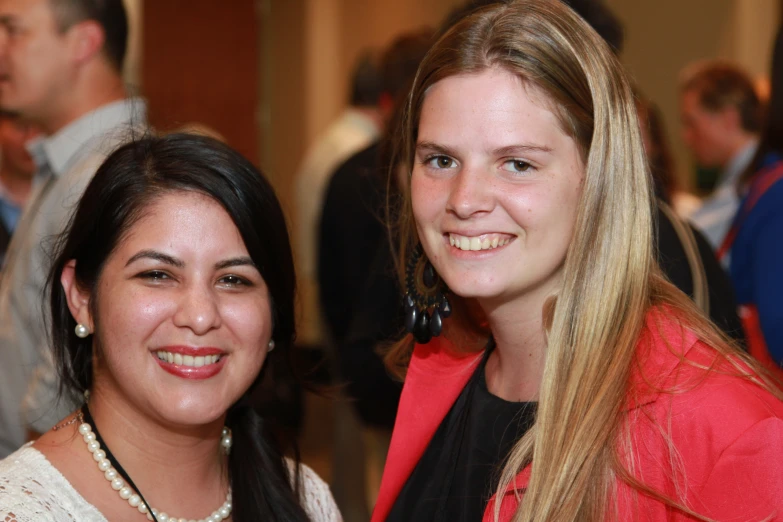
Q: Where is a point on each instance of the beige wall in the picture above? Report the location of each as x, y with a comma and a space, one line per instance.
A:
338, 32
132, 68
663, 36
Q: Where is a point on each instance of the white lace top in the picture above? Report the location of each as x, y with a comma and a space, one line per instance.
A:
32, 490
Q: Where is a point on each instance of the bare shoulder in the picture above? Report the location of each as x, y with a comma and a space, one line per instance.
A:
315, 495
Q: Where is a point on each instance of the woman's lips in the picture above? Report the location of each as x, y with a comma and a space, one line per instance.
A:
479, 242
189, 362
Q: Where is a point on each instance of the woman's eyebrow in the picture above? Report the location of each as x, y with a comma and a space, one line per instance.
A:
235, 261
508, 150
432, 147
157, 256
511, 150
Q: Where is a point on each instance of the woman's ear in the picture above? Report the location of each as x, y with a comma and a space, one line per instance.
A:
78, 300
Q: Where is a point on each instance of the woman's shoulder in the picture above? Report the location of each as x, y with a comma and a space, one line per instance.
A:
697, 387
706, 420
31, 489
315, 495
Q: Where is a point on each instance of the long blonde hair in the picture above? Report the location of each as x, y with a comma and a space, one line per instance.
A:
610, 276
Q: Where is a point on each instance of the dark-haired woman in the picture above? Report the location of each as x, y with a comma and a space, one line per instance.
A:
168, 294
754, 241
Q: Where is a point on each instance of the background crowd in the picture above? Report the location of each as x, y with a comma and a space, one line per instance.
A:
64, 106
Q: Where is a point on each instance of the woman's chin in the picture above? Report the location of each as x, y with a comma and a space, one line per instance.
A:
190, 412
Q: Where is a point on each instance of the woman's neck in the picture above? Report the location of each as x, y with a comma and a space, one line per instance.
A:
158, 457
515, 368
182, 472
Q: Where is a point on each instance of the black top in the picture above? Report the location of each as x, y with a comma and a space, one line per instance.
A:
674, 263
359, 294
459, 471
350, 231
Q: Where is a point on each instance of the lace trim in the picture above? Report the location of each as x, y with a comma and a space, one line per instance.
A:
32, 490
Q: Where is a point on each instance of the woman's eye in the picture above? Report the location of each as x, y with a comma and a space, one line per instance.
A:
232, 280
155, 275
440, 162
516, 165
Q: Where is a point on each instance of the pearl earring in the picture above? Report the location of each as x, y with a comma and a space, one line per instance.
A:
271, 345
81, 331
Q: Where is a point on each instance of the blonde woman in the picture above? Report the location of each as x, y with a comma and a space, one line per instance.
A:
557, 375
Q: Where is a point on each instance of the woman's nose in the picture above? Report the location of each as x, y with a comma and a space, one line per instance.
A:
471, 193
198, 309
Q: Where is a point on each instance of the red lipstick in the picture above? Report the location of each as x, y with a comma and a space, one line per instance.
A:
191, 372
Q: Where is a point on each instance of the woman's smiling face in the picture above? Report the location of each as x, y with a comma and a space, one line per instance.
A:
495, 186
179, 292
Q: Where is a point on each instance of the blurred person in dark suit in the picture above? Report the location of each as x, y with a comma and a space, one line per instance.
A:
355, 128
358, 293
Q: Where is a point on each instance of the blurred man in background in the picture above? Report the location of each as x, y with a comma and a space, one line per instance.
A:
721, 118
16, 174
60, 69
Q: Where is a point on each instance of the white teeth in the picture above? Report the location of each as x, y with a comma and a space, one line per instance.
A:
476, 243
187, 360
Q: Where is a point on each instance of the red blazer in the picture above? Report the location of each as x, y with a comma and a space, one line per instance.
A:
727, 432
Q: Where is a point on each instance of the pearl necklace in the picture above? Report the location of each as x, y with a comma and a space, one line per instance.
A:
133, 498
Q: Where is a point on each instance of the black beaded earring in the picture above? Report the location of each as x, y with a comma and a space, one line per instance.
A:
425, 291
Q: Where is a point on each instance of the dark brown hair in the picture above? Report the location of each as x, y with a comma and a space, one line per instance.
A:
124, 186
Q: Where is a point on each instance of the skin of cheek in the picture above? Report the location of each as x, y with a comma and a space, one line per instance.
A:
427, 195
114, 370
245, 318
112, 367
